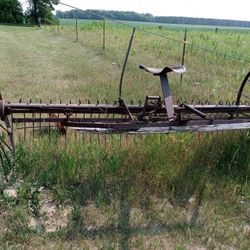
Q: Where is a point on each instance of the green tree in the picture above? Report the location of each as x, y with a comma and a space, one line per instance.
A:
40, 11
11, 11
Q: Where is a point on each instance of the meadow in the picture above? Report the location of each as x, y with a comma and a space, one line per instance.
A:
181, 191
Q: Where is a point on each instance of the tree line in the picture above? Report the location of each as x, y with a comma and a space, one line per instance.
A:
38, 12
133, 16
11, 11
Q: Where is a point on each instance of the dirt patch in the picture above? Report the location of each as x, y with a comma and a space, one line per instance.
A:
52, 216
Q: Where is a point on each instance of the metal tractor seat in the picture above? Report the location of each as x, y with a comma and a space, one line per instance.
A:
162, 72
165, 70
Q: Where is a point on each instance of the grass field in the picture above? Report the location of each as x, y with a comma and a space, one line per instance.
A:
183, 191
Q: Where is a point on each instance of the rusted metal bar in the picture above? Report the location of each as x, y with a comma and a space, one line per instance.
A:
75, 131
10, 133
5, 144
183, 51
136, 125
49, 127
68, 109
192, 109
33, 125
24, 130
125, 62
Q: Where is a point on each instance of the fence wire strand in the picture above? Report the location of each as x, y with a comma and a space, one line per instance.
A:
208, 50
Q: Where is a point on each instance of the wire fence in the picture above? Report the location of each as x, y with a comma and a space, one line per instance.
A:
215, 59
162, 36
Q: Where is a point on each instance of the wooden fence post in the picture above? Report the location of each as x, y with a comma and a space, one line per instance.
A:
76, 29
58, 28
184, 51
104, 35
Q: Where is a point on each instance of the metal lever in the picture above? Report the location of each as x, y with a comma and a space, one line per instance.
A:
196, 111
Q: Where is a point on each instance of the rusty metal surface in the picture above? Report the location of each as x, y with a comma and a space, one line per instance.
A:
7, 108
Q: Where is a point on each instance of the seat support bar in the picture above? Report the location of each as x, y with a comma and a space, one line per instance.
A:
168, 100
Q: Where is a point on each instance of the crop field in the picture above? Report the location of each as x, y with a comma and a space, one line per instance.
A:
68, 21
178, 191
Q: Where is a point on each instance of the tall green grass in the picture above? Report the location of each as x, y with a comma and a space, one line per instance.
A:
173, 166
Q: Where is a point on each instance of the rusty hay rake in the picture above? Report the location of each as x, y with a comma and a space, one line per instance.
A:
154, 116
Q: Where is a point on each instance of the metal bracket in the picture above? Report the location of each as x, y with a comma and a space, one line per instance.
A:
151, 102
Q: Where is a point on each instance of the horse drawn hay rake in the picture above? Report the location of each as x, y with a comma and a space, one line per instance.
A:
154, 116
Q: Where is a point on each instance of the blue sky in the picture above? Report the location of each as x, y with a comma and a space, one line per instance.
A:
221, 9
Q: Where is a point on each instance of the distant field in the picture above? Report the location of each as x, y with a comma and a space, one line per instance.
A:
67, 21
178, 191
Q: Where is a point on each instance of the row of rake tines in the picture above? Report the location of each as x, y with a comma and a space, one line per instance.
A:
52, 125
140, 102
49, 128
